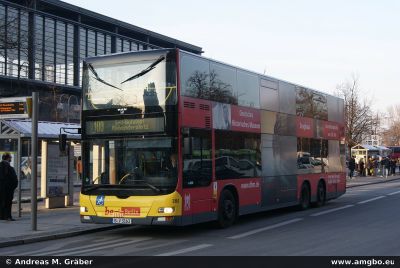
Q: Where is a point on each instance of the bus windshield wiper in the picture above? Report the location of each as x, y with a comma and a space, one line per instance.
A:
149, 185
92, 187
145, 71
97, 77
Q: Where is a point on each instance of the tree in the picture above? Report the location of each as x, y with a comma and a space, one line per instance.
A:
359, 118
391, 135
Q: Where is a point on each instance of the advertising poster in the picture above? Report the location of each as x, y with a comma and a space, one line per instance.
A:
57, 172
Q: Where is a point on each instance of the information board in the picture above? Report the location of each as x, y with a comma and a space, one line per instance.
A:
14, 107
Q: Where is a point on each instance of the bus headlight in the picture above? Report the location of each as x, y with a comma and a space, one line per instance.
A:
167, 210
84, 209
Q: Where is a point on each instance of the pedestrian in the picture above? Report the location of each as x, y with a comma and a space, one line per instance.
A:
385, 166
79, 167
362, 167
352, 166
393, 166
8, 184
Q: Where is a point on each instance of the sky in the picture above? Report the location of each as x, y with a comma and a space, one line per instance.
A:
317, 44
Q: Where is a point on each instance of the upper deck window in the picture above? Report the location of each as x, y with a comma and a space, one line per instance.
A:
128, 80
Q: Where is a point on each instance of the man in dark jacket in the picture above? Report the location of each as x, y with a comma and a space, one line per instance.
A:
352, 166
8, 184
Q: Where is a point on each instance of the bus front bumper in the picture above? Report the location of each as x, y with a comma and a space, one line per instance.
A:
169, 221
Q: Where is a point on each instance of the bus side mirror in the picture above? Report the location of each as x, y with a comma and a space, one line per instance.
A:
62, 139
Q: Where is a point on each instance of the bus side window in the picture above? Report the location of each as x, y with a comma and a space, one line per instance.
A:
197, 164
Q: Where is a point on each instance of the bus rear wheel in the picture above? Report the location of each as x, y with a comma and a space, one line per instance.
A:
227, 210
321, 195
305, 198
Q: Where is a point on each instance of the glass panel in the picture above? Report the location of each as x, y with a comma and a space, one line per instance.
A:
70, 55
118, 45
279, 155
56, 107
311, 104
132, 164
134, 46
222, 84
12, 42
195, 77
248, 89
268, 121
237, 155
268, 83
269, 99
38, 47
24, 45
285, 125
288, 157
91, 44
100, 44
82, 50
2, 40
116, 82
49, 50
334, 159
287, 98
312, 155
60, 53
108, 44
126, 46
197, 165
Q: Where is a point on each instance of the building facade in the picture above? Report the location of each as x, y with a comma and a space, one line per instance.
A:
43, 44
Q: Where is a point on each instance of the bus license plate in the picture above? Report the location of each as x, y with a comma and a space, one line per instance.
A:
121, 221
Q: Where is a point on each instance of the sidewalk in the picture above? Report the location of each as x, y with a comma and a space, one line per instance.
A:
65, 222
51, 224
361, 181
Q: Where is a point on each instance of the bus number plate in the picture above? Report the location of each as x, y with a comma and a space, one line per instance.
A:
121, 221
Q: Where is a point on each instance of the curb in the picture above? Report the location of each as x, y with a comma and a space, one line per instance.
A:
371, 183
57, 236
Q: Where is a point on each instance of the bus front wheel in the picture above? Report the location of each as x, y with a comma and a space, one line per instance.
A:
227, 210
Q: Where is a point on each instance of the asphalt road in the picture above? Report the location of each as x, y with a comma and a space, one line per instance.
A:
364, 222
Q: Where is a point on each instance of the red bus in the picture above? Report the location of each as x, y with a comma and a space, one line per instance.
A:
395, 154
172, 138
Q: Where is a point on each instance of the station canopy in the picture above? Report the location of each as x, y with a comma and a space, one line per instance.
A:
46, 130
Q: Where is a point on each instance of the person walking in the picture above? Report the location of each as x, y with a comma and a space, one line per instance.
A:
8, 184
385, 166
362, 167
79, 168
393, 167
352, 166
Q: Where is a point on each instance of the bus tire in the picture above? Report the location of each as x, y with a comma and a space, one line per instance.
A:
227, 210
321, 195
305, 197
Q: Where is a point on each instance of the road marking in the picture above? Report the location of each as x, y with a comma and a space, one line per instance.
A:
330, 211
110, 245
91, 247
186, 250
265, 228
394, 193
370, 200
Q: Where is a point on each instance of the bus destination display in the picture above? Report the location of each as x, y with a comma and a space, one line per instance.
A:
124, 126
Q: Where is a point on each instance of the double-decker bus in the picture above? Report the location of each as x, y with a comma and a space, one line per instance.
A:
172, 138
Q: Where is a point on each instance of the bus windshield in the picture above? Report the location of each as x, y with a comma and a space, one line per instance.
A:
126, 81
149, 163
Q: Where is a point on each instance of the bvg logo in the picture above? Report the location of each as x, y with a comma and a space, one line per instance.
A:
100, 200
